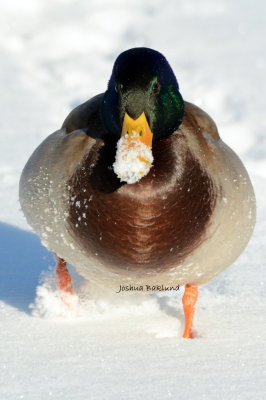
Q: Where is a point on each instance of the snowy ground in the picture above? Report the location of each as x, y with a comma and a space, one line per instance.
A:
54, 55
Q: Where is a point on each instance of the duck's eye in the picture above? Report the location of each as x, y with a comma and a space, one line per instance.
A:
156, 87
118, 87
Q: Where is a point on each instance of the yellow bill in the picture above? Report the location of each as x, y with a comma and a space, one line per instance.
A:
137, 129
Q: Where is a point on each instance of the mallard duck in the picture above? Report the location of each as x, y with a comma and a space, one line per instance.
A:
137, 189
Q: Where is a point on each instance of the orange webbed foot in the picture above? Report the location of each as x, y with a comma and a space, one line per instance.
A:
189, 300
64, 281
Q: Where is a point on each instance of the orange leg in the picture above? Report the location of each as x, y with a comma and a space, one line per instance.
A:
64, 281
189, 300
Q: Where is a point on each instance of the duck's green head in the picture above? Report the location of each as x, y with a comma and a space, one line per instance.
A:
143, 81
142, 100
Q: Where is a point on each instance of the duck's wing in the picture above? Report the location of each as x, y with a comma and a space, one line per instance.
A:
200, 121
86, 116
53, 163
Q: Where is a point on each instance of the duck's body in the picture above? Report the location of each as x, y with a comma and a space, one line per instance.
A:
181, 224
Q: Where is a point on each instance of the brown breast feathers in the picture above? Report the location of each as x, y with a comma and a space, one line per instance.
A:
150, 225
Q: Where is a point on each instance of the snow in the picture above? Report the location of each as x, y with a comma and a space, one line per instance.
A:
55, 55
133, 159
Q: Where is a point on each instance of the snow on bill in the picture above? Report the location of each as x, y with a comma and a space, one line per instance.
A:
133, 159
